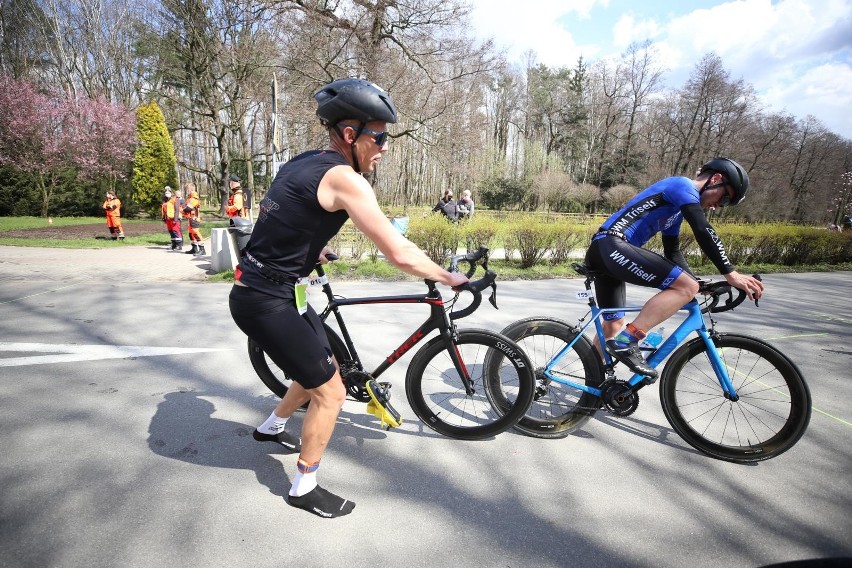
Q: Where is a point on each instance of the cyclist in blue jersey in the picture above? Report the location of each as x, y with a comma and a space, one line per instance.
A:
616, 251
308, 202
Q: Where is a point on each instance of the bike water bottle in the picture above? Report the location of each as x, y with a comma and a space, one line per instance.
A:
653, 339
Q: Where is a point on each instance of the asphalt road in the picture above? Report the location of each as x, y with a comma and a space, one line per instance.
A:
119, 456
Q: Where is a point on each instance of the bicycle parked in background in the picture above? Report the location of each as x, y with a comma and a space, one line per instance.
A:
730, 396
445, 383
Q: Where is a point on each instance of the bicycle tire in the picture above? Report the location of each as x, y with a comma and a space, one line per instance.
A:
769, 417
557, 409
276, 379
437, 396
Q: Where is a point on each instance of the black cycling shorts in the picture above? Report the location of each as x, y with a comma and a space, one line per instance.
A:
296, 343
621, 262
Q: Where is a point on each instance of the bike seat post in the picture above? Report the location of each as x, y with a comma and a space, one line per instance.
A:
326, 287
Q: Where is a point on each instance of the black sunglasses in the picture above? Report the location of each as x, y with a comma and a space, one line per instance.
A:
728, 197
379, 137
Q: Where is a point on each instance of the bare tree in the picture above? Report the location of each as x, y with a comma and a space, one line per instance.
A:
643, 78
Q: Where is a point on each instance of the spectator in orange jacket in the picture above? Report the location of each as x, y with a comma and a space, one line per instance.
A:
112, 206
236, 202
172, 204
192, 214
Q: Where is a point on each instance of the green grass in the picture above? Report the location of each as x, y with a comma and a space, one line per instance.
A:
13, 223
99, 241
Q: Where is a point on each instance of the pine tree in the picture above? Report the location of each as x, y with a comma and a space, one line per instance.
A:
154, 161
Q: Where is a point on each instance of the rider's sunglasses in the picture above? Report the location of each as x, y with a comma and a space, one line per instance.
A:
380, 138
728, 197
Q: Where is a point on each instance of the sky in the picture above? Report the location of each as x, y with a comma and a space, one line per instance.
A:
797, 54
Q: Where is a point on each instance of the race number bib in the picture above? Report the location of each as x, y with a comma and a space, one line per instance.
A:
302, 294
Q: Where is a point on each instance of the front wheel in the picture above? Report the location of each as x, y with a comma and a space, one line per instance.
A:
437, 394
558, 409
771, 412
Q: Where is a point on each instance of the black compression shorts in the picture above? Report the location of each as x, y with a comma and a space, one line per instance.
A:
623, 262
296, 343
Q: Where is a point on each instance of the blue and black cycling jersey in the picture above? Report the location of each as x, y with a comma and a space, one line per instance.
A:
662, 208
617, 252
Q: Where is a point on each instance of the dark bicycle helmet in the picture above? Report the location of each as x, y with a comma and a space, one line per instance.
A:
354, 99
733, 172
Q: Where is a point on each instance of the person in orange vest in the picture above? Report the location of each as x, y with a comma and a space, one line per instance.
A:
192, 214
112, 206
171, 217
236, 202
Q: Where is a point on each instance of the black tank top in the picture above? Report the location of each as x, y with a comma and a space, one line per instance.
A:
292, 227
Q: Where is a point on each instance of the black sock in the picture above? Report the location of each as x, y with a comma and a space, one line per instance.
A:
322, 503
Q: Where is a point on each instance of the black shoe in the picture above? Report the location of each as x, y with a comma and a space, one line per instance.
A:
283, 437
631, 356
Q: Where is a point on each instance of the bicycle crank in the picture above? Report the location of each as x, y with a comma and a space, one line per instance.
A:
355, 382
619, 398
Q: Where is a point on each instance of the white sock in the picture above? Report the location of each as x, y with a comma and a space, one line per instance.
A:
273, 425
303, 483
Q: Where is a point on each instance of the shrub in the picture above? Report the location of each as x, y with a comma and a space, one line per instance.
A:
479, 231
531, 240
437, 236
566, 238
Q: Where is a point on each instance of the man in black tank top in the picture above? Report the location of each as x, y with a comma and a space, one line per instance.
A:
308, 202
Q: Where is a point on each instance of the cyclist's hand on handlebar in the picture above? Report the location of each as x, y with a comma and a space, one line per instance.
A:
327, 255
752, 286
456, 280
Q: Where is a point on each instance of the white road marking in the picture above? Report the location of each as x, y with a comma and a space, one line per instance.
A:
68, 353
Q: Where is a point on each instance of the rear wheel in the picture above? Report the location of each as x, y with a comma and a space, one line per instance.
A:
770, 415
438, 396
277, 380
557, 409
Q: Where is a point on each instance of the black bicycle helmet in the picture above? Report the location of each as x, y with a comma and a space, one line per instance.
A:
354, 99
733, 172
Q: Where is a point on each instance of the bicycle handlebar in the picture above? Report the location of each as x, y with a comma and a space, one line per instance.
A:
716, 290
476, 287
471, 258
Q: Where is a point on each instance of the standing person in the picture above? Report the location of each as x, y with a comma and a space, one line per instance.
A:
661, 208
171, 217
192, 214
167, 197
236, 202
112, 206
465, 205
308, 202
447, 206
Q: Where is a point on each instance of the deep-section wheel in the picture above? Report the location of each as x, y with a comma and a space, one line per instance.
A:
557, 409
769, 415
438, 396
277, 380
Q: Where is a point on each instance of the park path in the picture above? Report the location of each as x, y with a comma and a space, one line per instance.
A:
114, 264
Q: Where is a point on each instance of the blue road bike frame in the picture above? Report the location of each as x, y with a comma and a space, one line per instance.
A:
731, 396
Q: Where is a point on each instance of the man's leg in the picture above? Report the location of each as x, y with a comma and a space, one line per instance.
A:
320, 419
667, 302
658, 309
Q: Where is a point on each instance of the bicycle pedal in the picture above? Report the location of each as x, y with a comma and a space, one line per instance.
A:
380, 407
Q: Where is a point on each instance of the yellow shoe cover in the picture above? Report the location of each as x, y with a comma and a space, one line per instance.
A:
380, 407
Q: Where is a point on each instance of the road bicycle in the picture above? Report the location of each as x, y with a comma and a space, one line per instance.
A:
731, 396
445, 381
